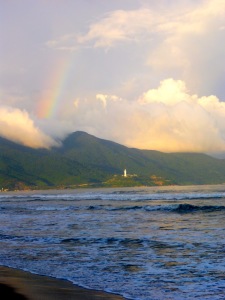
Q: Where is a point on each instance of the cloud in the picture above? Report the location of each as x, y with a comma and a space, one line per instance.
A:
65, 42
190, 45
17, 126
161, 39
169, 92
119, 26
133, 25
103, 98
178, 121
181, 40
167, 118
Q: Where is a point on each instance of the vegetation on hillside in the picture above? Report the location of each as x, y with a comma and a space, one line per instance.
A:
84, 160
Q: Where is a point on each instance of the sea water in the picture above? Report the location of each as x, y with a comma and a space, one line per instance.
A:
142, 243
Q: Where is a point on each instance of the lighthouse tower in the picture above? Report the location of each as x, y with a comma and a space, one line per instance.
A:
125, 173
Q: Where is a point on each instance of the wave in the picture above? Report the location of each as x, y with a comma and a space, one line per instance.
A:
121, 242
169, 208
185, 208
114, 196
175, 208
188, 208
29, 239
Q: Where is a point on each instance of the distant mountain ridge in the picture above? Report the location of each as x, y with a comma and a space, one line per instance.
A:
84, 159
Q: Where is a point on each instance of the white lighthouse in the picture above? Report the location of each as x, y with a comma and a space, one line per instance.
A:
125, 173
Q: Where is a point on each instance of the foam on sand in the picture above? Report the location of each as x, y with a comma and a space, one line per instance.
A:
24, 285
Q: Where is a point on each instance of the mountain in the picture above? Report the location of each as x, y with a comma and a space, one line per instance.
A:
84, 159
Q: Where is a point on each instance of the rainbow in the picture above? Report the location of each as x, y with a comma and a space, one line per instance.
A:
51, 100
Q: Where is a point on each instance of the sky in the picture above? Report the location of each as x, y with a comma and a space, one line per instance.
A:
144, 73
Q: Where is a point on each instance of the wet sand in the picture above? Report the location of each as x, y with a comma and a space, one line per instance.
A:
20, 285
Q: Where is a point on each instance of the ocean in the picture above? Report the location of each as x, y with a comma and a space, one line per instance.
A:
142, 243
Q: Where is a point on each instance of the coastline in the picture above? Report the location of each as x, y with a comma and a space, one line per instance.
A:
56, 190
27, 286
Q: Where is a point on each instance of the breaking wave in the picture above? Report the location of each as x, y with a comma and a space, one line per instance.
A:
187, 208
177, 208
119, 196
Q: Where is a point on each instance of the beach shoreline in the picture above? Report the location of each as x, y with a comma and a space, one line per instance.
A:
29, 286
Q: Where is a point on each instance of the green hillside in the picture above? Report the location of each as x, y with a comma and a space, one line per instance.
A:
84, 160
22, 167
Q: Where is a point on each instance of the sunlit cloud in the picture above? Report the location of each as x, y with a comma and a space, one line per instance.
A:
65, 42
104, 98
17, 126
191, 45
169, 92
114, 82
134, 25
168, 118
119, 26
182, 42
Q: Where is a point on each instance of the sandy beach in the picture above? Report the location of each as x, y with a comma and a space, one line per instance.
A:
19, 285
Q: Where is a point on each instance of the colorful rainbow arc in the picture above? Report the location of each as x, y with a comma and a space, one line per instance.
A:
51, 100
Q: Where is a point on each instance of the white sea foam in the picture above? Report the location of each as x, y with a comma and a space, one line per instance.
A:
156, 243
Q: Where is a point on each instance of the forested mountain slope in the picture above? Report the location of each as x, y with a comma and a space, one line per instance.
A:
85, 159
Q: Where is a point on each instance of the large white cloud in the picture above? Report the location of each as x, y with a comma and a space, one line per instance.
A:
167, 118
120, 26
16, 125
134, 25
180, 40
122, 49
191, 45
